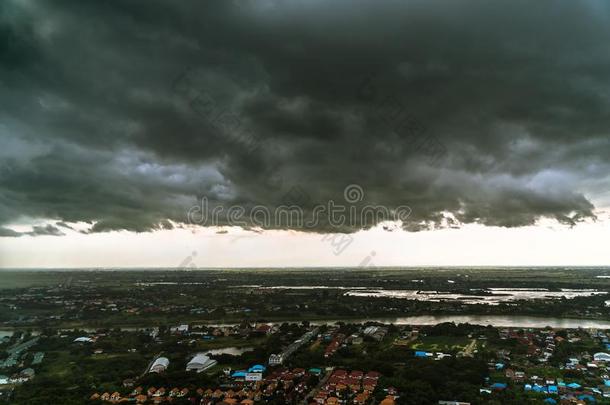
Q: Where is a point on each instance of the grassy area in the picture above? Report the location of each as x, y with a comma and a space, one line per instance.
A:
57, 364
440, 343
544, 371
223, 342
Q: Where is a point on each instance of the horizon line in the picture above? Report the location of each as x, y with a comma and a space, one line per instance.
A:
606, 266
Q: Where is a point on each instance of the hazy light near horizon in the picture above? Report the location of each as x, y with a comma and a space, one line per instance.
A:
472, 245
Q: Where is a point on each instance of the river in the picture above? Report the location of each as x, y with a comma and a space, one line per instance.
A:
510, 321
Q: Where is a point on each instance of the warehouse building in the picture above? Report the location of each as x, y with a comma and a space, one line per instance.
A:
200, 363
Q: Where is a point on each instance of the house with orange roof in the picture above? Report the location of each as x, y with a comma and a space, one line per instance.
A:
369, 384
140, 399
352, 383
361, 398
257, 396
388, 401
340, 373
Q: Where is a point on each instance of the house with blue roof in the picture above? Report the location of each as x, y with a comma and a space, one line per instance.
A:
315, 371
423, 354
574, 386
552, 389
257, 368
550, 401
499, 386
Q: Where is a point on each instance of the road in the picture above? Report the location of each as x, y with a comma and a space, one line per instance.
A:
315, 390
469, 350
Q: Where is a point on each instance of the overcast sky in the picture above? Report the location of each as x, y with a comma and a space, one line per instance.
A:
488, 120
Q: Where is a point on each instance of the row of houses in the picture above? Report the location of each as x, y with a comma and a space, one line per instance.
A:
588, 373
334, 345
16, 353
354, 387
277, 359
140, 396
287, 385
22, 376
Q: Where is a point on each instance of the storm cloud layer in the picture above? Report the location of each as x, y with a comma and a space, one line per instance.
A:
120, 114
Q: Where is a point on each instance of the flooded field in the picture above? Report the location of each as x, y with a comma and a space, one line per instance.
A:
233, 351
489, 296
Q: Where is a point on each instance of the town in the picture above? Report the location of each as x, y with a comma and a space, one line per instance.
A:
291, 363
379, 336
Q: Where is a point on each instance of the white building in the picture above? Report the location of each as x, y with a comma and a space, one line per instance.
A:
276, 359
200, 363
601, 357
159, 365
183, 329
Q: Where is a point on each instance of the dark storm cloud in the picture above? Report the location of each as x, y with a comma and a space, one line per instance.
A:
118, 114
48, 230
5, 232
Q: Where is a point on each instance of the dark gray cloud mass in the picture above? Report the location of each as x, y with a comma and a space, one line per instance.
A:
120, 113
